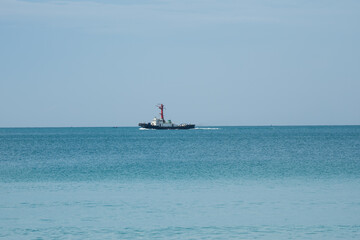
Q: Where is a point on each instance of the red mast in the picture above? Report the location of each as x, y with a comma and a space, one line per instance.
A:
161, 107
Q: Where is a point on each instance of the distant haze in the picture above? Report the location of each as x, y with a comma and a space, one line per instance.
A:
214, 62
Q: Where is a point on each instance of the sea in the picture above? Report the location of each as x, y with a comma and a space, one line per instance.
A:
268, 182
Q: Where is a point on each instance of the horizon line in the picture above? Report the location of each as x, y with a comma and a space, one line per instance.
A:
270, 125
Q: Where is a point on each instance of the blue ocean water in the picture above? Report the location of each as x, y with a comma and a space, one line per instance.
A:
206, 183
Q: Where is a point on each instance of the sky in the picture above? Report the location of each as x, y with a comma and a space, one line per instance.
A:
210, 62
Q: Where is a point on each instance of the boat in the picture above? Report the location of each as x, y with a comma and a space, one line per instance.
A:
161, 123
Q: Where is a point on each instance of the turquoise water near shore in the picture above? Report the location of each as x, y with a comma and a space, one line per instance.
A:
208, 183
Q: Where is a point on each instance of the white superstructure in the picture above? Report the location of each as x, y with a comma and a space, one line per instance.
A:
162, 123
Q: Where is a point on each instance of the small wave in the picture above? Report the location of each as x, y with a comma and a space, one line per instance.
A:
207, 128
145, 129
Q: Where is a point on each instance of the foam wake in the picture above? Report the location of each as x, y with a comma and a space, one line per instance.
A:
146, 128
200, 128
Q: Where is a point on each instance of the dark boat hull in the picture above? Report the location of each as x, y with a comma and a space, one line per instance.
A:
180, 127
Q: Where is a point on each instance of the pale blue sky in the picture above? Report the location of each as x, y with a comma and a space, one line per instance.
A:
108, 63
